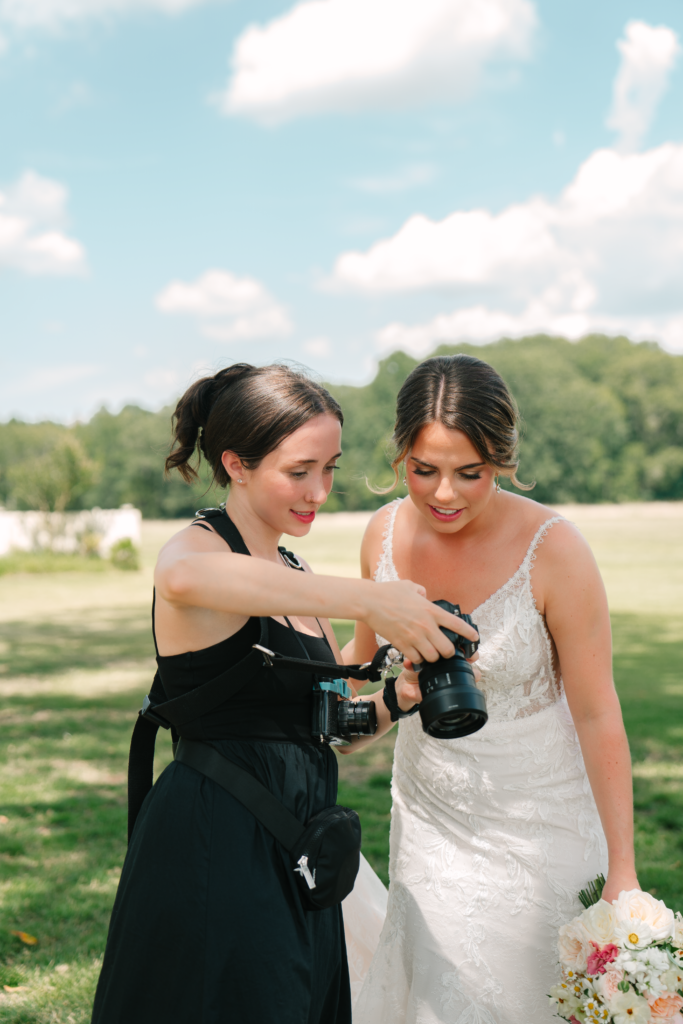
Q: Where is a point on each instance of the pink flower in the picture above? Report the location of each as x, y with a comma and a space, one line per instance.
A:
599, 957
666, 1007
607, 985
573, 1020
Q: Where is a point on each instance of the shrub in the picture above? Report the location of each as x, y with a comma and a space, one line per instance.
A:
124, 554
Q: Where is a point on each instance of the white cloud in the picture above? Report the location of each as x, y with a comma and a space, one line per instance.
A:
32, 239
607, 255
479, 325
413, 176
51, 13
320, 347
227, 307
342, 55
648, 55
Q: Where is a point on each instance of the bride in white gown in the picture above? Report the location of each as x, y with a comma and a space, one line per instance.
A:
492, 835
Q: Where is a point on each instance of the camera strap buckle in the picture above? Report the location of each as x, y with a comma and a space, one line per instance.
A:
339, 686
147, 711
268, 656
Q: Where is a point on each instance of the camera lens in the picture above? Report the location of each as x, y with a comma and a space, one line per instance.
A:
357, 718
452, 705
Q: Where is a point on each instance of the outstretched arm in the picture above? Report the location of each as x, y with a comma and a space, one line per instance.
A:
196, 572
569, 590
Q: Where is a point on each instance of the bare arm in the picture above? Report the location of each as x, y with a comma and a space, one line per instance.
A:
569, 589
198, 573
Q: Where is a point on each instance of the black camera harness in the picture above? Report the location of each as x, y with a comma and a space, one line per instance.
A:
159, 712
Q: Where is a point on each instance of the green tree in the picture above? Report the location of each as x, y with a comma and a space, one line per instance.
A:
52, 482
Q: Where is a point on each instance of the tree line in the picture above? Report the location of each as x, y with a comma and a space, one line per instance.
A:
601, 421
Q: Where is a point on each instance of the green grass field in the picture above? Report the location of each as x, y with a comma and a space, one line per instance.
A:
76, 657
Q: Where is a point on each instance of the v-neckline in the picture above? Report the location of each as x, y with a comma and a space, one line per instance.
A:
532, 546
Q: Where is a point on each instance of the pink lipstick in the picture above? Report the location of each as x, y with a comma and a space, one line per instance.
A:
446, 516
303, 517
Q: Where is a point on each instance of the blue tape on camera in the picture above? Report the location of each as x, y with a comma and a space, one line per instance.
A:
339, 686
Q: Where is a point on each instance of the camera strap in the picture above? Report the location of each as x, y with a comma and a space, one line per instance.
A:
368, 671
159, 712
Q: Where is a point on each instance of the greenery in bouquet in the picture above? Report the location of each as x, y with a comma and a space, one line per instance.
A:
622, 963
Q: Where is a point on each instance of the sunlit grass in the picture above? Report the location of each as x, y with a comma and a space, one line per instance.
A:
75, 658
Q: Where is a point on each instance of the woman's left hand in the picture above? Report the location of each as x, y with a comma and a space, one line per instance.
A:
619, 880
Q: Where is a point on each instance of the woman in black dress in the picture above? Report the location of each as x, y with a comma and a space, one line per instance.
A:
208, 926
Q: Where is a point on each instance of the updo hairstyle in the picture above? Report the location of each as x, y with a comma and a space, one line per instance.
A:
248, 410
466, 394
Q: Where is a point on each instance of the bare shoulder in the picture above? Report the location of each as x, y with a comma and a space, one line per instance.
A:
565, 571
192, 539
562, 542
373, 538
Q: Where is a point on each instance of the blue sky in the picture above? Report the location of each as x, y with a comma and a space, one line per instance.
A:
187, 183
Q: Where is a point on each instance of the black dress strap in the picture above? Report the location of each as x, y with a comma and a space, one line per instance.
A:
159, 712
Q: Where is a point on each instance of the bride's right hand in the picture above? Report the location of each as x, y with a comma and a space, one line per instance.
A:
401, 612
407, 689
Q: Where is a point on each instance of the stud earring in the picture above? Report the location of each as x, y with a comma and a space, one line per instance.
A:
242, 481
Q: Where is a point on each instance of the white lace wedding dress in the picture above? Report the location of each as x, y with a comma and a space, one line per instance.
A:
492, 836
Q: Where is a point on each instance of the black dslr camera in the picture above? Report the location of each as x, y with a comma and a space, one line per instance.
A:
452, 704
336, 721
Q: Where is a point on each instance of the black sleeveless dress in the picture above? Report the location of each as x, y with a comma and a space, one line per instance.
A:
208, 926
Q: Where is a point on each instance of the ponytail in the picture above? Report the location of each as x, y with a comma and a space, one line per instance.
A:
191, 416
245, 409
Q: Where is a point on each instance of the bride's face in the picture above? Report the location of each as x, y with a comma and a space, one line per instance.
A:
448, 482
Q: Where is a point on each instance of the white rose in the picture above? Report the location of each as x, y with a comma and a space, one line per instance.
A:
629, 1008
641, 919
599, 921
672, 980
574, 945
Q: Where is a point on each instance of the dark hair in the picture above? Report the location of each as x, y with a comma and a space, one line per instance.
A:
248, 410
463, 393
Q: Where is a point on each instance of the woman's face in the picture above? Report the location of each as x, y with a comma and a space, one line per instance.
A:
292, 482
448, 482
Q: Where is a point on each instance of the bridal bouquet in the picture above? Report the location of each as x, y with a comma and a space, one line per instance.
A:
622, 963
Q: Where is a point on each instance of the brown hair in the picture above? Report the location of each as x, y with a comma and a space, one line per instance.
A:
463, 393
248, 410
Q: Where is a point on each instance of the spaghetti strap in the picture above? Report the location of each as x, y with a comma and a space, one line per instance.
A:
154, 631
385, 565
539, 537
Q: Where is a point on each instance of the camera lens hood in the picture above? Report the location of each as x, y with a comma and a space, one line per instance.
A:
452, 704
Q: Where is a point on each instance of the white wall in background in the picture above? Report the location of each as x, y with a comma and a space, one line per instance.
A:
64, 531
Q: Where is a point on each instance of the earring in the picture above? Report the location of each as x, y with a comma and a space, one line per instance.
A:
497, 484
242, 481
405, 482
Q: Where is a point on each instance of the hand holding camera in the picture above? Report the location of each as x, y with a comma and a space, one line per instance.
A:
449, 702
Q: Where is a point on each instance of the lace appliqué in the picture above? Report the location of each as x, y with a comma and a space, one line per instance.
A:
516, 655
492, 836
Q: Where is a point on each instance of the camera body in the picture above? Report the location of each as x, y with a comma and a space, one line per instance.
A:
452, 704
336, 719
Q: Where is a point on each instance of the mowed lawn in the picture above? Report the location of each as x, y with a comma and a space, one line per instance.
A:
76, 656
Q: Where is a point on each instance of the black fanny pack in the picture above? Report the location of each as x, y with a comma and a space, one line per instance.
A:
325, 851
